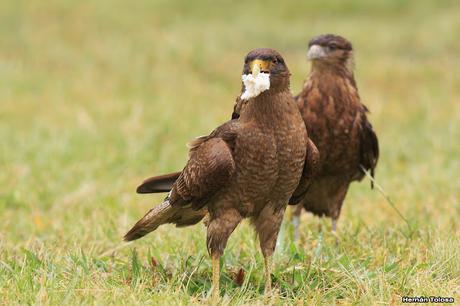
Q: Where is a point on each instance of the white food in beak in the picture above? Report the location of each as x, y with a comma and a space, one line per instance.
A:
254, 84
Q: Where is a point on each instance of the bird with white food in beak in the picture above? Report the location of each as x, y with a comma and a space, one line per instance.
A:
259, 73
245, 168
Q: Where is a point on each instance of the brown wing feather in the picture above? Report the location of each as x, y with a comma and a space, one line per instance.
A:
161, 183
208, 169
310, 169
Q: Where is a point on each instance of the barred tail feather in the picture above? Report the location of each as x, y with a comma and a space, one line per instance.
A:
164, 213
155, 217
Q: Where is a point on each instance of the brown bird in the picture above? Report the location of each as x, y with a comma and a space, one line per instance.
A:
246, 168
337, 123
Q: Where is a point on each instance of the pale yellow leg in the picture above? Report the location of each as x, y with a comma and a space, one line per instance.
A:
268, 276
334, 231
215, 278
296, 223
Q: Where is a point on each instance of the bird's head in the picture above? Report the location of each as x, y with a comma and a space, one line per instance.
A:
330, 49
264, 69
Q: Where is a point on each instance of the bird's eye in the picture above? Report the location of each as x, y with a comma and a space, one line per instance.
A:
333, 46
275, 61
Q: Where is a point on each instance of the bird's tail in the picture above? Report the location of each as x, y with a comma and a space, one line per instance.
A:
162, 214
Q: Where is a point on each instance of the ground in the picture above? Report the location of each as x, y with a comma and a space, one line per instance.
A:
96, 96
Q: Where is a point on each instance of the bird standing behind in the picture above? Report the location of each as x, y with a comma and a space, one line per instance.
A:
246, 168
337, 123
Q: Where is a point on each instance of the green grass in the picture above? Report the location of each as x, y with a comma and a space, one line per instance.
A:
96, 96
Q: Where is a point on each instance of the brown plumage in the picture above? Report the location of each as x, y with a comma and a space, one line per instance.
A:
337, 123
157, 184
246, 168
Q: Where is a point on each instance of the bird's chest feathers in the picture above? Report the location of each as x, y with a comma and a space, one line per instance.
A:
331, 97
267, 162
274, 132
255, 147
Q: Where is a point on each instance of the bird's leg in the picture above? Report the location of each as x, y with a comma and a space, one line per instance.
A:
268, 276
337, 203
281, 239
215, 278
219, 230
334, 230
267, 226
296, 221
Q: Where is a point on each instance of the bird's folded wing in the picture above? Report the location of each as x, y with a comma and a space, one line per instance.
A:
209, 169
310, 169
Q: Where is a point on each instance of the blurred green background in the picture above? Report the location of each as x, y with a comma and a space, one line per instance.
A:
97, 95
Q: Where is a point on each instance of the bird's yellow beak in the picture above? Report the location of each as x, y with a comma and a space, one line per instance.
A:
258, 66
